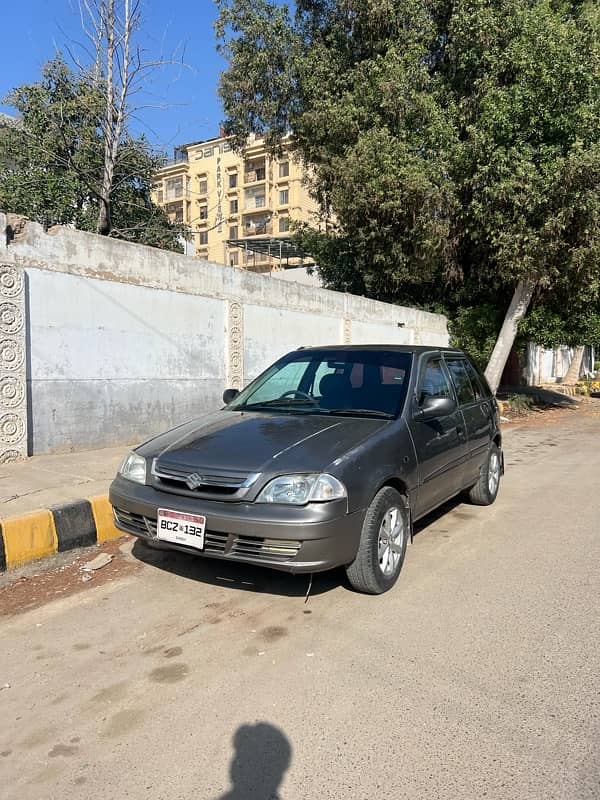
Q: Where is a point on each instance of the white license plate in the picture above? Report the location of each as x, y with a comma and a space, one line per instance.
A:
181, 528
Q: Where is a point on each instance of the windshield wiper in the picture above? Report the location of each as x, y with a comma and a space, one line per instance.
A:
360, 412
293, 402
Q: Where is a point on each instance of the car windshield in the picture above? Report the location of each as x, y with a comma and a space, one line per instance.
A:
362, 383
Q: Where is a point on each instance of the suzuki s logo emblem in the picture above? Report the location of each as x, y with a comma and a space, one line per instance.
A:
194, 480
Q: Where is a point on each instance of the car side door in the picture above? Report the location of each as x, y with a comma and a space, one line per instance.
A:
477, 411
440, 442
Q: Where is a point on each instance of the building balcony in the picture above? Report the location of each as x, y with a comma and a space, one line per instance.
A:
251, 207
179, 157
172, 195
250, 179
258, 229
255, 172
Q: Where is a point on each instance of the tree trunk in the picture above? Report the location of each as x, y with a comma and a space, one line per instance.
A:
104, 222
572, 375
516, 311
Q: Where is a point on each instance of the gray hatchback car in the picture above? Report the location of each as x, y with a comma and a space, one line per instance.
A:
325, 460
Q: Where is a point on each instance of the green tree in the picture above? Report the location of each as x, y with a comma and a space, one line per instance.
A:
51, 163
456, 144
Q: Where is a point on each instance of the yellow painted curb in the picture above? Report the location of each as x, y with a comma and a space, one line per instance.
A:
103, 517
29, 537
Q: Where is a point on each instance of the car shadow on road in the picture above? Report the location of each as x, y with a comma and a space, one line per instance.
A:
262, 580
247, 577
422, 525
262, 756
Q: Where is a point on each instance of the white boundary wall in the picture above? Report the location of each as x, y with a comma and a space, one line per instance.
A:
122, 341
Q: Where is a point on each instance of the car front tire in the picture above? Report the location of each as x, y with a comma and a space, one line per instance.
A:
485, 491
382, 547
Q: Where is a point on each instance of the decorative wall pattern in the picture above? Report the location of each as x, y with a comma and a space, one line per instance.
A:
347, 332
235, 350
13, 396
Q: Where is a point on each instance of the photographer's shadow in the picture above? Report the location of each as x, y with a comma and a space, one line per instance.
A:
261, 758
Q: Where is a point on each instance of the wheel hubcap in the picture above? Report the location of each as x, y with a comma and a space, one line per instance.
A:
391, 540
494, 473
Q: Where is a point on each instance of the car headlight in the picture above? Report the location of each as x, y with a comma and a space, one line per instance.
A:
134, 468
301, 489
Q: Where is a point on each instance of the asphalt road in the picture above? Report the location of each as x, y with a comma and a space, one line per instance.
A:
477, 676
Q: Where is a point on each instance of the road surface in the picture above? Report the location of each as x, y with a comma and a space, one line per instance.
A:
477, 676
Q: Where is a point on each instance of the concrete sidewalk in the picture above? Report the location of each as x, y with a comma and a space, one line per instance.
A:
56, 503
43, 481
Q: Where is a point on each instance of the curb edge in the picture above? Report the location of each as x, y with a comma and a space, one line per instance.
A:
35, 535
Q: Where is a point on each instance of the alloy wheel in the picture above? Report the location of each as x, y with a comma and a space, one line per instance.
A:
391, 541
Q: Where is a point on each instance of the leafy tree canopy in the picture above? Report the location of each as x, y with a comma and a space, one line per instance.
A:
457, 143
51, 162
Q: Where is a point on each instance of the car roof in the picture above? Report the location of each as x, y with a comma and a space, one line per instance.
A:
415, 349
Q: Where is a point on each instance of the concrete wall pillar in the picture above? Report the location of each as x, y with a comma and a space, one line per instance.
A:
13, 376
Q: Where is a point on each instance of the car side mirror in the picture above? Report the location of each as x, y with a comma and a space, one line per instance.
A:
433, 407
229, 395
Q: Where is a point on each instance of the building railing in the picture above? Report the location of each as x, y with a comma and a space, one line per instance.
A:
255, 175
179, 157
176, 194
258, 229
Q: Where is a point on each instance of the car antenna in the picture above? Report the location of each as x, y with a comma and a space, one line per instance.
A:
309, 588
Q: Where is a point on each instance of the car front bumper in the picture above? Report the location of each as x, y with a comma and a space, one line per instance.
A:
309, 538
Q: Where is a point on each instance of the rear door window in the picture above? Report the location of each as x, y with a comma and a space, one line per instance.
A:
460, 378
434, 383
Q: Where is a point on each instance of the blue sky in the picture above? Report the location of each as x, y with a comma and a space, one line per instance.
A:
34, 29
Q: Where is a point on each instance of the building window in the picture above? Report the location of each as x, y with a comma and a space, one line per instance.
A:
233, 206
284, 224
258, 227
160, 197
233, 232
284, 197
202, 185
174, 188
175, 211
203, 212
233, 259
203, 237
284, 169
254, 171
255, 198
233, 180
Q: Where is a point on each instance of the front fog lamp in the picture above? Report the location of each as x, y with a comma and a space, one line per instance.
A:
300, 489
134, 468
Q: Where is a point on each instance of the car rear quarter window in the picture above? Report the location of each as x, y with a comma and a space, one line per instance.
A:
487, 392
460, 378
475, 382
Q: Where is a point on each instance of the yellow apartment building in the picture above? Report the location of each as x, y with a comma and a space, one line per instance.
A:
237, 206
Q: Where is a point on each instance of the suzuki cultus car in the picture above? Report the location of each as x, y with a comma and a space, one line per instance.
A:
325, 460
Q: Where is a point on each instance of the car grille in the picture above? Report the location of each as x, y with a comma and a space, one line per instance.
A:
224, 486
254, 548
136, 523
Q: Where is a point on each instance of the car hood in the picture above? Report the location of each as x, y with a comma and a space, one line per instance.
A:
259, 442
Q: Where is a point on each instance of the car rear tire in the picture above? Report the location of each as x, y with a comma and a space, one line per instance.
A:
382, 547
485, 491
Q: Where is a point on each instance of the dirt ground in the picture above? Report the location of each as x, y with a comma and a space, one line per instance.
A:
62, 575
546, 416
